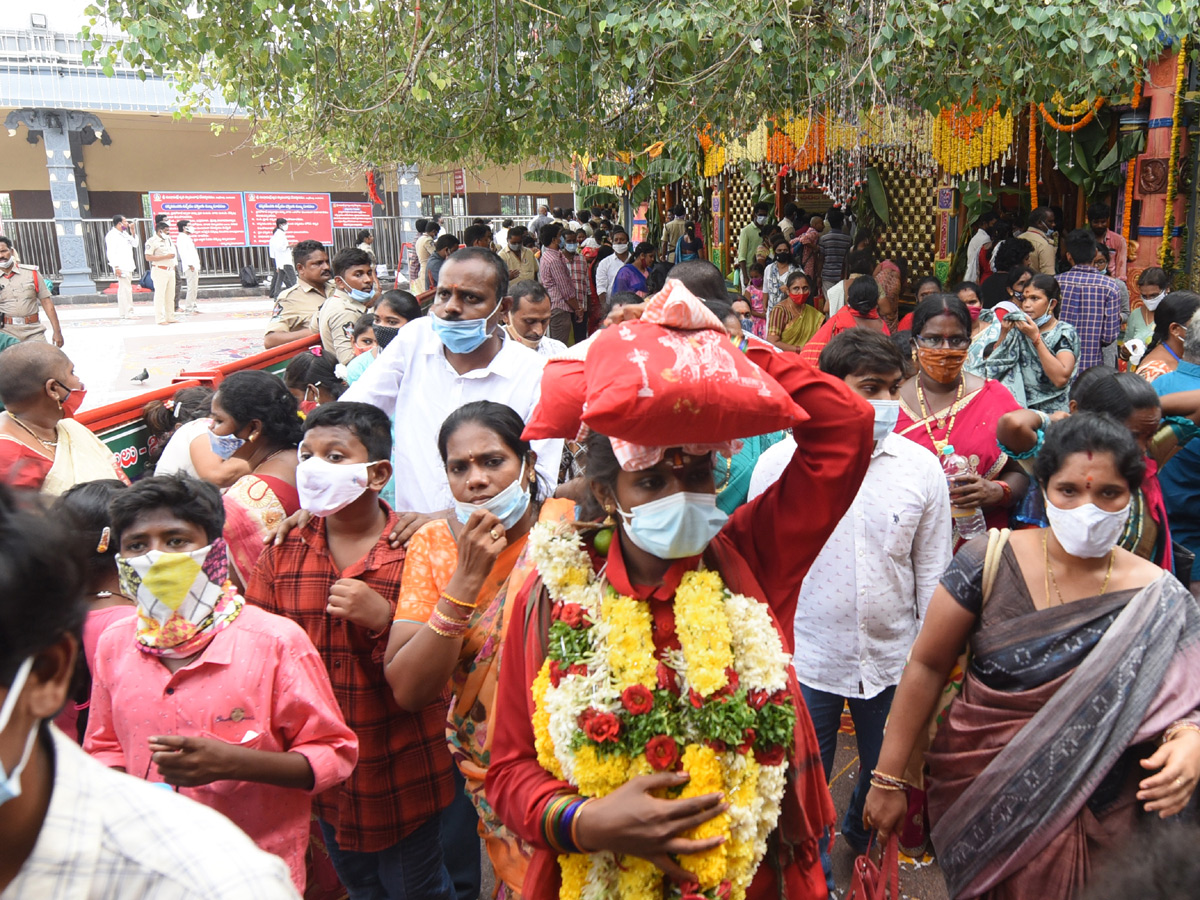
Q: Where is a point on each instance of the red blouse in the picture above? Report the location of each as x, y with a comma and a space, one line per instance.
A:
764, 550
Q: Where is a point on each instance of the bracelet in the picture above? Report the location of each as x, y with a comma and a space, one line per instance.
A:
897, 784
457, 602
884, 786
558, 820
1178, 727
445, 626
1006, 489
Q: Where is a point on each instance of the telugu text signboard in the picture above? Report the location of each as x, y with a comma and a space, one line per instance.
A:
217, 219
352, 215
309, 217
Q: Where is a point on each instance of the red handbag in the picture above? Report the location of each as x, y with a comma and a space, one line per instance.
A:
877, 882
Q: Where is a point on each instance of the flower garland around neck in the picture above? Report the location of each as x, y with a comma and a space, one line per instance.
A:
608, 709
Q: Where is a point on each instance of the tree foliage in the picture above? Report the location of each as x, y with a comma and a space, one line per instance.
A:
469, 81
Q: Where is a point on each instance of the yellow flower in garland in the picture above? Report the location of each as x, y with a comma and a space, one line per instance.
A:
745, 809
639, 878
630, 640
703, 630
542, 741
574, 868
702, 765
596, 775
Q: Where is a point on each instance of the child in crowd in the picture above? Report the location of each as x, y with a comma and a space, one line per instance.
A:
181, 425
753, 292
228, 703
312, 378
394, 310
364, 334
338, 577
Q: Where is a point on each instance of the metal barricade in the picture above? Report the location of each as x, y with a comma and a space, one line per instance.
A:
36, 243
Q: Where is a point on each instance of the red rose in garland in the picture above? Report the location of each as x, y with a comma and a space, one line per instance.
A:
570, 614
772, 756
662, 752
637, 699
603, 727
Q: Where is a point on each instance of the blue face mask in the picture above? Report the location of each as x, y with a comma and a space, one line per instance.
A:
676, 526
461, 335
224, 445
571, 248
360, 296
508, 506
887, 414
10, 784
1042, 320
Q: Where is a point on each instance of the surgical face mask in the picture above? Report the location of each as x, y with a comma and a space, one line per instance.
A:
761, 220
224, 445
355, 294
514, 246
283, 228
1086, 531
887, 414
508, 506
620, 249
1151, 303
461, 335
384, 334
10, 783
1042, 320
676, 526
532, 345
7, 263
326, 488
570, 248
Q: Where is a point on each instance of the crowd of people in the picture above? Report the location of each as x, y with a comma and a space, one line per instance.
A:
576, 549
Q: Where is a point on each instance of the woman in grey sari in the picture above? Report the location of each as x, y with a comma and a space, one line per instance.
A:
1080, 703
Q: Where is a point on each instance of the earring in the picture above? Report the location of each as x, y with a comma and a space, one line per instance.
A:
105, 536
609, 521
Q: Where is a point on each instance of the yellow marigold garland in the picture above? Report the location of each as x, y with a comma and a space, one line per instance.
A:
542, 741
1127, 217
966, 141
702, 765
1164, 249
630, 640
703, 631
1033, 169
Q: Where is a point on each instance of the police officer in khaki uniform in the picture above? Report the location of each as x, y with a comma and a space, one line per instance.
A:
22, 290
160, 253
295, 313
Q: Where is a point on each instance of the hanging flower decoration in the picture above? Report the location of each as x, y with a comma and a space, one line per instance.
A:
1033, 167
1131, 166
1092, 108
1164, 249
970, 139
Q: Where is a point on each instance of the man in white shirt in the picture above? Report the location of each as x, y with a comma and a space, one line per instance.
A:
858, 262
69, 826
189, 261
528, 320
281, 254
119, 244
607, 269
453, 356
864, 598
978, 241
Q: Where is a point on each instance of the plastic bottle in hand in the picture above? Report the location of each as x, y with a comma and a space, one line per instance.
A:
968, 520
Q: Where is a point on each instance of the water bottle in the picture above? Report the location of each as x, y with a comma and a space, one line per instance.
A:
968, 521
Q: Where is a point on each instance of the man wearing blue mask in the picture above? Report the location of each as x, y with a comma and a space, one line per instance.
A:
69, 826
451, 357
355, 290
863, 600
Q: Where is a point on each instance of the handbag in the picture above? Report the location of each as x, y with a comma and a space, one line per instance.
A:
877, 882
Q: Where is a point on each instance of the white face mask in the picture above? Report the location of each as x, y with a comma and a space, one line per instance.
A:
887, 414
326, 488
1086, 531
7, 263
10, 784
508, 505
1152, 302
620, 249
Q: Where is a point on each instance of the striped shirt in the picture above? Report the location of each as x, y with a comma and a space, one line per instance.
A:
564, 277
109, 835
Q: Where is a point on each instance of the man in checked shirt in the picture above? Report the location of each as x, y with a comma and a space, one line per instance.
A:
1091, 301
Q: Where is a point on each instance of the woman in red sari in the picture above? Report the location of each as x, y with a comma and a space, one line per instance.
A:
761, 552
941, 405
861, 311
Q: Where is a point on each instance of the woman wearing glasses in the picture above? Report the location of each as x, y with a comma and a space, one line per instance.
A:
944, 406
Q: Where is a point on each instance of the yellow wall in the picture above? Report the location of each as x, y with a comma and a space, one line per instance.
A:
158, 153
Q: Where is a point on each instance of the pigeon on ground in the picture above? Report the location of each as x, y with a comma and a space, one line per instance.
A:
142, 377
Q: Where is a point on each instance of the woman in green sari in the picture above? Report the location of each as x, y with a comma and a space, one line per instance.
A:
794, 320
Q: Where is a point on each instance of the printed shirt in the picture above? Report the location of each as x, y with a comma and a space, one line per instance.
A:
108, 835
863, 600
1092, 303
335, 322
296, 308
403, 772
258, 684
412, 381
564, 277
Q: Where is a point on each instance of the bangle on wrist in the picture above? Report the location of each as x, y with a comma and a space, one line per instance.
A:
1007, 491
1178, 728
887, 782
456, 602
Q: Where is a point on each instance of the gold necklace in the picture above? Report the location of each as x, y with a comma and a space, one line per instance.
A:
1050, 579
952, 415
49, 445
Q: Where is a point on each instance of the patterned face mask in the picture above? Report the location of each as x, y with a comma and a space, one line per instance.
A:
184, 599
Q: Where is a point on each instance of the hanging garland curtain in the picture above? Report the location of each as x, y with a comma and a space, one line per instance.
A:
1131, 166
1164, 249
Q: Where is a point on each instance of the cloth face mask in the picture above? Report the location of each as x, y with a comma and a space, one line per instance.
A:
508, 506
942, 364
184, 599
10, 783
224, 445
1087, 531
887, 414
326, 488
1151, 303
676, 526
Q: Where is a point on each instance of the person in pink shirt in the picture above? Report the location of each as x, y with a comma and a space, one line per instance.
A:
84, 510
226, 702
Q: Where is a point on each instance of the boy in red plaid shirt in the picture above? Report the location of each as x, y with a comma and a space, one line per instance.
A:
338, 578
